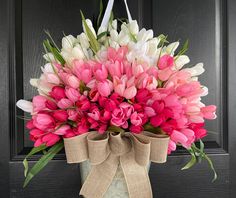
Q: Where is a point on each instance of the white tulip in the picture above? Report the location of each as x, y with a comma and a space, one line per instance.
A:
113, 25
133, 27
48, 68
34, 82
205, 91
145, 35
101, 30
181, 61
90, 25
25, 105
49, 57
114, 35
170, 49
68, 42
77, 52
152, 47
196, 70
83, 39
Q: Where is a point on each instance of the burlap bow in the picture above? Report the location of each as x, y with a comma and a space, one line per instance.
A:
105, 152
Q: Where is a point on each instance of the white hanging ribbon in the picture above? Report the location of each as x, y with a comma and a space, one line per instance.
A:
127, 10
107, 14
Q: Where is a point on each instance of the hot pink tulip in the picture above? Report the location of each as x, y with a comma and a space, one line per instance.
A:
50, 139
57, 93
51, 105
165, 61
30, 124
136, 129
60, 115
36, 134
83, 105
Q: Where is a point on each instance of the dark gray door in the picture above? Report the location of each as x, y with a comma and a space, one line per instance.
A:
210, 27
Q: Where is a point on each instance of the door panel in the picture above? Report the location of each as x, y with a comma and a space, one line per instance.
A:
203, 22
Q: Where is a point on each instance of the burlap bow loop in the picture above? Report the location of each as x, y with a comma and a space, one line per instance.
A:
106, 151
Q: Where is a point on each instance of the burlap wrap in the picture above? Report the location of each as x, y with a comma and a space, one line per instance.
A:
105, 152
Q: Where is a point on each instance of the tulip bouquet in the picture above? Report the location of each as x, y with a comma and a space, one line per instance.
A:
116, 79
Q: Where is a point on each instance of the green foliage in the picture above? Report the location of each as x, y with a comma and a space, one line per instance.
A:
95, 46
115, 129
183, 50
43, 161
56, 53
197, 155
100, 14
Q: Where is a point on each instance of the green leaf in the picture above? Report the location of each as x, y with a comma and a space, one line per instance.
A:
192, 162
50, 37
47, 45
203, 155
102, 34
43, 161
115, 129
150, 128
183, 50
92, 39
32, 152
100, 14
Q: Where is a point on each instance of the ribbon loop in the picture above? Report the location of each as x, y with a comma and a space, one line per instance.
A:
119, 145
98, 147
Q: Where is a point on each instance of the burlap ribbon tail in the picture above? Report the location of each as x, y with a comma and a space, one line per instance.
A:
105, 152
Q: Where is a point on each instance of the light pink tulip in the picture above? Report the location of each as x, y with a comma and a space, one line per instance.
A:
82, 70
39, 103
104, 88
130, 92
72, 94
100, 72
64, 103
43, 121
52, 78
209, 112
62, 130
165, 62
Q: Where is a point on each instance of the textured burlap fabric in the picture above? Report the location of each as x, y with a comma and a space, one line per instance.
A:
107, 151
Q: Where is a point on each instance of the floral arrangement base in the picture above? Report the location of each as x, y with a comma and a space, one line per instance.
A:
118, 187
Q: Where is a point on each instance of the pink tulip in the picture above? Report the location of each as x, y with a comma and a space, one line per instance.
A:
43, 121
105, 116
104, 88
209, 112
116, 98
38, 142
72, 94
95, 114
179, 137
52, 78
39, 103
94, 95
117, 55
165, 61
62, 130
82, 70
118, 118
72, 114
127, 109
102, 128
165, 74
157, 120
69, 79
115, 69
60, 115
100, 72
137, 118
64, 103
57, 93
171, 146
149, 111
130, 92
50, 139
